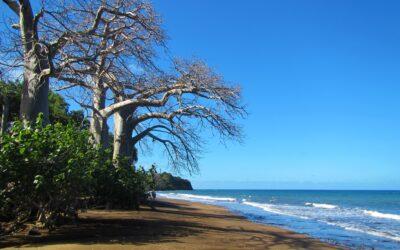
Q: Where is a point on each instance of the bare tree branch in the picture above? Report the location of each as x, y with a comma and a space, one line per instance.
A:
13, 5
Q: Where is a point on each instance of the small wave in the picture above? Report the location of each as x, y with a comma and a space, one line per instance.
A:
382, 215
196, 197
272, 209
206, 197
321, 205
375, 233
366, 231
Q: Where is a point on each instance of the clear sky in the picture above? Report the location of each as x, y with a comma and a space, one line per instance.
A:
322, 83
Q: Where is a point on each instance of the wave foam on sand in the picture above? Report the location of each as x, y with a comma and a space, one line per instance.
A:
365, 231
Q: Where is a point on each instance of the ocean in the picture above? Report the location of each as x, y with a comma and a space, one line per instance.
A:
354, 219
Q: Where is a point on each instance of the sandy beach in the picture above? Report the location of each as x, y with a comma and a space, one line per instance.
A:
171, 224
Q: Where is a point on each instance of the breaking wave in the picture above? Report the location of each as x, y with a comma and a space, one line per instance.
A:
369, 231
272, 209
321, 205
196, 197
382, 215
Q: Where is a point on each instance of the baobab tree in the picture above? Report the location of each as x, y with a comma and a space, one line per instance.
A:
174, 110
33, 55
126, 34
45, 43
143, 95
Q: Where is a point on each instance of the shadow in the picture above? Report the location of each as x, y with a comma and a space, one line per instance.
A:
202, 215
184, 206
162, 203
170, 223
115, 231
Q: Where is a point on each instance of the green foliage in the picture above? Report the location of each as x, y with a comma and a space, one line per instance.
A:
119, 186
58, 107
43, 170
13, 91
47, 171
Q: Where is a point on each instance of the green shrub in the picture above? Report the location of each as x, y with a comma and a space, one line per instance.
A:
119, 186
47, 171
43, 171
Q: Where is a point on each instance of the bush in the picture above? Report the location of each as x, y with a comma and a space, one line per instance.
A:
46, 172
119, 186
43, 171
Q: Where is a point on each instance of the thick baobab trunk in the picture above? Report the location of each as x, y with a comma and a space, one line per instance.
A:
35, 91
34, 98
98, 123
5, 113
99, 130
124, 147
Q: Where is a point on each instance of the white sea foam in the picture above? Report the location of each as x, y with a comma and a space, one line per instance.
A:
272, 209
196, 197
382, 215
321, 205
366, 231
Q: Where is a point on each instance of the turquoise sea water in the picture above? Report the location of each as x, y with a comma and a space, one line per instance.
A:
355, 219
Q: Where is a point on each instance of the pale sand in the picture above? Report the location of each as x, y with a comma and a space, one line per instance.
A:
173, 225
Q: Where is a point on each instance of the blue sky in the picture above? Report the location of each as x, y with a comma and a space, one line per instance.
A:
321, 81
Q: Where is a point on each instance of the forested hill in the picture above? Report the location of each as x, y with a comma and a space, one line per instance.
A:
166, 181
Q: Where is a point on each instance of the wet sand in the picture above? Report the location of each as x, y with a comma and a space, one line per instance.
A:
171, 224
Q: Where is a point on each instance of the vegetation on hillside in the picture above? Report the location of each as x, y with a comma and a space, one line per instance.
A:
166, 181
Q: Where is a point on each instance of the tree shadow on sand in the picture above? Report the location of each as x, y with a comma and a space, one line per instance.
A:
118, 231
137, 232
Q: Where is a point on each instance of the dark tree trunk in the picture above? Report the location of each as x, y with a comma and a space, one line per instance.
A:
4, 115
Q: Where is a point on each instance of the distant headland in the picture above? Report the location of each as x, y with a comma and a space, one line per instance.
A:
166, 181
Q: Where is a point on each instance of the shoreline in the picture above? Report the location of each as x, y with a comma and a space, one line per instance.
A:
172, 224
